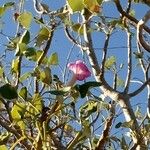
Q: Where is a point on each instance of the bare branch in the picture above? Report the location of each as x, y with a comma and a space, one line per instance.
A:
140, 26
72, 39
127, 82
104, 137
104, 55
140, 89
132, 19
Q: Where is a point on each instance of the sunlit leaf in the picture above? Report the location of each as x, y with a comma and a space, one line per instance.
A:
1, 72
24, 76
25, 19
36, 57
13, 43
18, 111
87, 109
4, 137
76, 5
43, 35
30, 53
5, 7
37, 104
120, 82
3, 147
78, 28
23, 93
53, 60
8, 5
25, 38
83, 89
92, 5
45, 76
2, 11
62, 91
9, 92
128, 124
110, 62
15, 65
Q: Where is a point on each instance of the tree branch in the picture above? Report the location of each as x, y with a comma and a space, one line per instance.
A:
140, 89
104, 137
104, 55
140, 26
72, 39
132, 19
107, 90
129, 72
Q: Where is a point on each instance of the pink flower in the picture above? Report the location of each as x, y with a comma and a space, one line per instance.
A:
79, 69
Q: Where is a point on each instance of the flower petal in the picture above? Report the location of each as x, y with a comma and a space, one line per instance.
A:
79, 69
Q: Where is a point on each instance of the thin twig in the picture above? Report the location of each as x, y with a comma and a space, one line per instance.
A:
140, 88
129, 72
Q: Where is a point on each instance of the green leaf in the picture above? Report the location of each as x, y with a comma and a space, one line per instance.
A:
118, 125
18, 111
25, 19
43, 35
4, 137
45, 76
62, 91
3, 147
76, 5
83, 89
138, 55
120, 82
37, 104
9, 92
8, 5
30, 53
89, 108
13, 43
110, 62
15, 65
53, 60
25, 38
92, 5
128, 124
5, 7
78, 28
2, 11
24, 76
23, 93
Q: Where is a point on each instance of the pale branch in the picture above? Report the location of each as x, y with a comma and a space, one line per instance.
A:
140, 25
107, 90
129, 72
132, 19
140, 89
142, 64
89, 48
